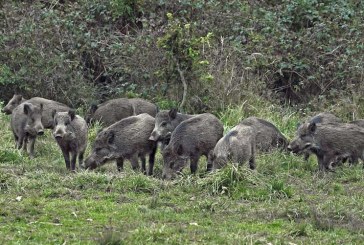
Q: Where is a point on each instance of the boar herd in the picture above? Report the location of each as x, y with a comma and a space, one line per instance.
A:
134, 128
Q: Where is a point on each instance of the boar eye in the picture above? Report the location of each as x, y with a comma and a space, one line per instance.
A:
163, 124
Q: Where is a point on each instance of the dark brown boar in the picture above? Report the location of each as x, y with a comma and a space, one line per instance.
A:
329, 142
114, 110
165, 123
191, 139
26, 124
70, 132
268, 136
125, 139
237, 146
13, 103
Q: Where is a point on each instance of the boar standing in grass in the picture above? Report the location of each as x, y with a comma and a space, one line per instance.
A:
13, 103
237, 146
26, 124
70, 132
191, 139
329, 142
125, 139
48, 107
114, 110
165, 123
267, 136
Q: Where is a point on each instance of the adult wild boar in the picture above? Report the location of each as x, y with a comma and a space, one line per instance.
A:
165, 123
13, 103
320, 118
329, 142
267, 136
125, 139
70, 132
237, 146
191, 139
114, 110
26, 124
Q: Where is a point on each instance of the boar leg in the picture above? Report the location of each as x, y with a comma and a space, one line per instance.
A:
209, 161
134, 162
66, 157
194, 163
73, 160
151, 161
31, 146
252, 158
80, 158
120, 164
142, 158
320, 161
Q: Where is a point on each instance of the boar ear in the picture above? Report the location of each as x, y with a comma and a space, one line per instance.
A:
172, 113
72, 114
312, 127
93, 108
27, 109
180, 150
111, 137
54, 113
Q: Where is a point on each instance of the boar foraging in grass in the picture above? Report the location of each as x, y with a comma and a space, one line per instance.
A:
13, 103
114, 110
267, 136
26, 124
237, 146
191, 139
165, 123
329, 142
70, 132
125, 139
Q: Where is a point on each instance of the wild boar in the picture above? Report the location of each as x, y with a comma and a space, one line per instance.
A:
114, 110
267, 135
165, 123
70, 132
191, 139
13, 103
26, 124
328, 141
125, 139
237, 146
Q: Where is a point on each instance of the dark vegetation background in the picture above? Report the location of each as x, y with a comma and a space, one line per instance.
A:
304, 53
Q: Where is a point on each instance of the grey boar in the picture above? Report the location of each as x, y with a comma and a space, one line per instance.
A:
321, 118
237, 146
13, 103
70, 132
26, 124
165, 123
48, 107
268, 136
329, 142
114, 110
125, 139
191, 139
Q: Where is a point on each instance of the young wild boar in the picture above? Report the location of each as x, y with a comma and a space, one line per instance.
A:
14, 102
125, 139
268, 136
191, 139
237, 146
26, 124
70, 132
48, 107
114, 110
165, 123
329, 142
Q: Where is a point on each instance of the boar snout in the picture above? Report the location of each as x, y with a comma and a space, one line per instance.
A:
6, 111
154, 136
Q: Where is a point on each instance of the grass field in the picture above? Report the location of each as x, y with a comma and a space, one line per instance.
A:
284, 201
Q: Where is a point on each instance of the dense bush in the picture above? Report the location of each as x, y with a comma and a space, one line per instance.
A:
212, 53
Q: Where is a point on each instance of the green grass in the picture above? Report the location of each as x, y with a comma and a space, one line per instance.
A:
285, 200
